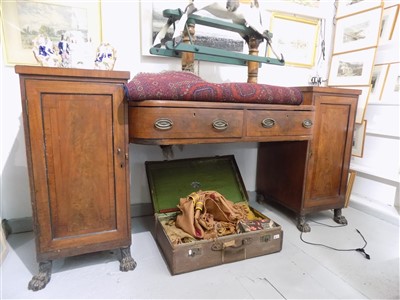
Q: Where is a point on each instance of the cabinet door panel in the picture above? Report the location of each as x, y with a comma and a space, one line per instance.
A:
77, 139
79, 163
329, 153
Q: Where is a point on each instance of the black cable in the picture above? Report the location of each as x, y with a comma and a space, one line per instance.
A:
361, 250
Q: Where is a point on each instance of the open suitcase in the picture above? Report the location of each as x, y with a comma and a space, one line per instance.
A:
171, 180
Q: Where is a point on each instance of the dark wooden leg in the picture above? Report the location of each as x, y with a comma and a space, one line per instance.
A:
338, 218
301, 223
40, 280
260, 198
127, 262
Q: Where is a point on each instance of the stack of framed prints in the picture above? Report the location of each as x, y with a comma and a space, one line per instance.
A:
358, 30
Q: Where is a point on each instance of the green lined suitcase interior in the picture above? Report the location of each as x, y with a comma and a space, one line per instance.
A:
171, 180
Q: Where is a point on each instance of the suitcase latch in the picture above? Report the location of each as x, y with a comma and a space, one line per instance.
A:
193, 252
265, 238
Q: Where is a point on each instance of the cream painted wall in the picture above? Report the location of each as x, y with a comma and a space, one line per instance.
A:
121, 28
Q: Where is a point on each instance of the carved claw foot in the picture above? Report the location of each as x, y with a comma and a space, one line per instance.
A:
338, 218
127, 262
302, 225
40, 280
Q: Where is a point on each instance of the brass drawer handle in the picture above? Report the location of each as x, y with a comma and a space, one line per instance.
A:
268, 123
163, 124
307, 123
220, 124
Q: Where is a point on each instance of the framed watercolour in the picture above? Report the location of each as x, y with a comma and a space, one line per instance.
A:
378, 79
295, 38
389, 3
350, 182
358, 139
152, 20
350, 7
308, 8
392, 84
23, 21
352, 68
357, 32
388, 23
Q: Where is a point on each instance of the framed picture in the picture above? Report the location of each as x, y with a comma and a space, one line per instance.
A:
352, 68
358, 139
395, 36
392, 84
3, 245
349, 7
389, 3
357, 32
388, 23
378, 79
295, 38
350, 182
309, 8
152, 20
23, 21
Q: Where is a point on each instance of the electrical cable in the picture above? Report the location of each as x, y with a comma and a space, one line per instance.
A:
361, 250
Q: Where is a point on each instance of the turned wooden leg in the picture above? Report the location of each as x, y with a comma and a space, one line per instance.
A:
338, 218
301, 223
127, 262
40, 280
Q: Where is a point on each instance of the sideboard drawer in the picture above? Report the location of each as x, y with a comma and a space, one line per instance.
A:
169, 123
272, 122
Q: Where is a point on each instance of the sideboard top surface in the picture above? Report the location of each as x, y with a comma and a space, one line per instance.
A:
71, 72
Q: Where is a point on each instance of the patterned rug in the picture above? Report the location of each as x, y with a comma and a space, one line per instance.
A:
182, 85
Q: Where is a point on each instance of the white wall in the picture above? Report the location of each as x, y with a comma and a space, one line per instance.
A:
121, 28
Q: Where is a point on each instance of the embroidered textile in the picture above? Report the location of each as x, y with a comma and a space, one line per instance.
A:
182, 85
208, 214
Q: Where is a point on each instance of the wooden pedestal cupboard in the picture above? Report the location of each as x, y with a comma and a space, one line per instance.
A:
76, 134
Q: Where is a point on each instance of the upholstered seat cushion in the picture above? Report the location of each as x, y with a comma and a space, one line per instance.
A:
181, 85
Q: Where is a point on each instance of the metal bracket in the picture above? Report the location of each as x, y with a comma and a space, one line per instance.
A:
204, 53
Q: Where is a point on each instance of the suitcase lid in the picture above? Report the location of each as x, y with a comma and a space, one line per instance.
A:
174, 179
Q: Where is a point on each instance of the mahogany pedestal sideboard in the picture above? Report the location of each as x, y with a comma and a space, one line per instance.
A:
304, 150
76, 135
78, 125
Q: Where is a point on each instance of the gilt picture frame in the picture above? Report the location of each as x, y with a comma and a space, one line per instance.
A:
378, 78
358, 139
350, 7
23, 21
350, 182
391, 87
352, 68
296, 38
388, 23
357, 32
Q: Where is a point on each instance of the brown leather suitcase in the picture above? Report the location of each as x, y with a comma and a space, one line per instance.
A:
171, 180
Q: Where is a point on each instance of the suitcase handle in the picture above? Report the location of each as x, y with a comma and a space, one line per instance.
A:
219, 246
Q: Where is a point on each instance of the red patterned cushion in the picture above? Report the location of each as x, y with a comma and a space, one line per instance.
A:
181, 85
